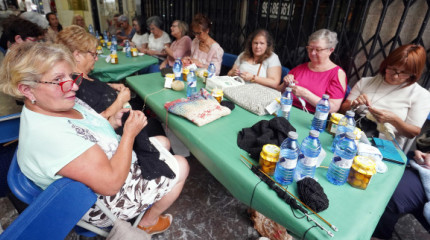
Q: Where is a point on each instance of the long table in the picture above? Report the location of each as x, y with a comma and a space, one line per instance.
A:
126, 66
353, 211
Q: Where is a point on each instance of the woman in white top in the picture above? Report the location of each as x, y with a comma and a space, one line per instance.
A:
394, 97
158, 40
258, 63
140, 39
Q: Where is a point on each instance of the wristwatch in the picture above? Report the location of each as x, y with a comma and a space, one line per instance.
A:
253, 78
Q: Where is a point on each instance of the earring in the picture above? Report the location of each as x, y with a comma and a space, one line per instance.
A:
33, 101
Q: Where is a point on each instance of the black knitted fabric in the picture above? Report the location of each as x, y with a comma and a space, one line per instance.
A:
148, 156
312, 194
264, 132
228, 104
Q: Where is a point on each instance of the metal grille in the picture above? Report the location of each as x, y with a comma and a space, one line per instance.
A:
368, 30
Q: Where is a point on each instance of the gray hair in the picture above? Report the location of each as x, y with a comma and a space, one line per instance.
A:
156, 20
329, 36
183, 26
35, 18
122, 18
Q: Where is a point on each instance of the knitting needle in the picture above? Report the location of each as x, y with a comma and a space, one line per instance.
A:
316, 214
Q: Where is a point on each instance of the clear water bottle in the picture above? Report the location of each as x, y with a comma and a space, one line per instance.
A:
342, 160
191, 84
177, 69
321, 113
105, 37
309, 151
114, 43
97, 35
211, 71
127, 49
346, 124
91, 29
284, 171
286, 103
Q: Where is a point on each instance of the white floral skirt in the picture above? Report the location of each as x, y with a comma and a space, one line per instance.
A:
135, 196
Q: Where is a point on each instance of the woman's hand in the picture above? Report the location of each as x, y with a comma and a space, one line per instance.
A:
361, 100
197, 62
115, 120
186, 61
288, 79
124, 95
132, 44
422, 158
382, 116
299, 91
117, 86
246, 76
136, 121
163, 64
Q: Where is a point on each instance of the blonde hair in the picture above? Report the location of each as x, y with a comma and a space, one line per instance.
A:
28, 62
75, 19
76, 39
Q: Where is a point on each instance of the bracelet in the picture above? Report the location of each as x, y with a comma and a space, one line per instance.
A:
253, 78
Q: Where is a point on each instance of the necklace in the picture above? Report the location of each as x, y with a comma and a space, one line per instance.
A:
386, 94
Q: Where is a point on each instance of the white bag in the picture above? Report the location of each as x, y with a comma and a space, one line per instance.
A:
223, 82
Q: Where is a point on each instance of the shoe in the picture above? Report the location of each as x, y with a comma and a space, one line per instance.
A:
163, 223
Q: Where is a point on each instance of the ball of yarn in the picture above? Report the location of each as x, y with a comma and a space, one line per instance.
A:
312, 194
178, 85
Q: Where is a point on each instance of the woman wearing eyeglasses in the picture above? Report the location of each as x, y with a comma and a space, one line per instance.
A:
318, 76
393, 97
158, 40
258, 63
204, 49
106, 99
61, 136
181, 47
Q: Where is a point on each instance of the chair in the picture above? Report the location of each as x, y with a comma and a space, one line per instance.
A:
9, 127
228, 60
285, 71
52, 213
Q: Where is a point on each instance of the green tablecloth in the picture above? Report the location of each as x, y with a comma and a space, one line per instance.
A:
353, 211
108, 72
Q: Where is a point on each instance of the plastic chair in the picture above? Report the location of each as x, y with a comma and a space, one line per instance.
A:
51, 213
228, 60
9, 127
285, 71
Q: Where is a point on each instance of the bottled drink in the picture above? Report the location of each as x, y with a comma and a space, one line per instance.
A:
177, 69
286, 103
309, 151
91, 29
211, 71
284, 171
127, 49
191, 84
105, 37
97, 35
114, 43
340, 165
346, 124
321, 114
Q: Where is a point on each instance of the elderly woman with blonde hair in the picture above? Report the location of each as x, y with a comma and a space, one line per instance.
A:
61, 136
78, 20
106, 99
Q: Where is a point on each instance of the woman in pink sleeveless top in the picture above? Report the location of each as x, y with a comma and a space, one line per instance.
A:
319, 76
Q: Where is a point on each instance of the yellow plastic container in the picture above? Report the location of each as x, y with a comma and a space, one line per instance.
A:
185, 72
269, 157
114, 58
333, 123
134, 52
218, 94
362, 170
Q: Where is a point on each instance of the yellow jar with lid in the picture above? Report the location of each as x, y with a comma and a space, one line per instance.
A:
218, 94
333, 123
185, 72
134, 52
99, 50
102, 43
362, 170
114, 58
269, 157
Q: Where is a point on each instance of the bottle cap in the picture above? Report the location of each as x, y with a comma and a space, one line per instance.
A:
288, 89
350, 135
314, 133
350, 113
325, 96
293, 135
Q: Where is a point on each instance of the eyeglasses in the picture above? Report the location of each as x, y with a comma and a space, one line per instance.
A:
174, 25
393, 72
66, 86
94, 54
317, 50
197, 33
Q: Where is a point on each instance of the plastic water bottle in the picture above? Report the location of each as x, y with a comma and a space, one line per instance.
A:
114, 43
342, 160
211, 71
286, 103
127, 49
177, 69
309, 151
321, 114
91, 29
97, 35
191, 84
284, 171
105, 37
346, 124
